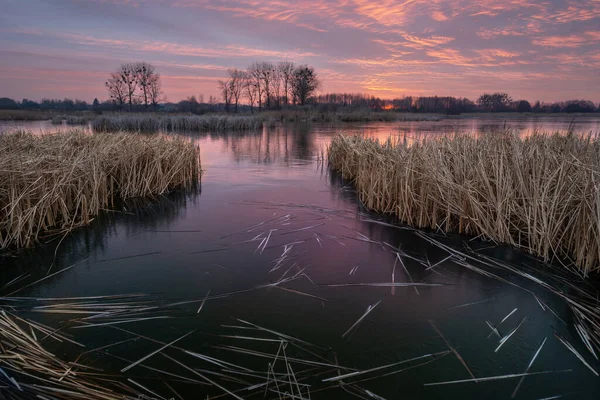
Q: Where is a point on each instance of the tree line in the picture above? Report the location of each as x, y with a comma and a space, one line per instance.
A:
135, 83
265, 85
268, 85
45, 104
494, 102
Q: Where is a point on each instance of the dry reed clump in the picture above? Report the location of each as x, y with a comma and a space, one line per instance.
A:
56, 182
173, 123
538, 193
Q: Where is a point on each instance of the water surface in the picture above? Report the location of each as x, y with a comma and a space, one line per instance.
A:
273, 184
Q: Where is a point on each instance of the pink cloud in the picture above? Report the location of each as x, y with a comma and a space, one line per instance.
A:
575, 13
493, 54
572, 41
420, 42
163, 47
494, 33
439, 16
294, 12
452, 56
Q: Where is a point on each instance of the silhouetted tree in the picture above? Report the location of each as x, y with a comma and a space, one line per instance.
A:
128, 74
155, 92
236, 85
304, 83
225, 89
146, 76
8, 104
523, 106
277, 78
135, 83
250, 91
255, 72
117, 89
494, 102
29, 104
286, 71
267, 76
579, 106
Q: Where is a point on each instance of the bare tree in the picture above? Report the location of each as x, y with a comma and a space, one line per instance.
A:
286, 71
145, 74
128, 74
276, 87
269, 85
155, 92
225, 88
255, 71
116, 89
304, 83
267, 72
250, 91
236, 83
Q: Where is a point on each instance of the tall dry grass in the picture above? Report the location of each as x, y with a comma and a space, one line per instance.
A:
539, 193
174, 123
56, 182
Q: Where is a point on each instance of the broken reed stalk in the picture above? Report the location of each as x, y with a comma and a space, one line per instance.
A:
57, 182
537, 193
30, 371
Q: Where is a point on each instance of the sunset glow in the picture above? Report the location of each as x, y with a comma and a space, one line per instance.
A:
546, 50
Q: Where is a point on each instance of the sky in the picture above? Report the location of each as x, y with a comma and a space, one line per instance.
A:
534, 50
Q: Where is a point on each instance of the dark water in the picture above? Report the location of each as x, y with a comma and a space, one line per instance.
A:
271, 183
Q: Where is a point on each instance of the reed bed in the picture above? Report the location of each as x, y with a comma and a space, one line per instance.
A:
538, 193
53, 183
174, 123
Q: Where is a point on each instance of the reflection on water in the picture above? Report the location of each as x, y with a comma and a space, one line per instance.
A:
270, 184
127, 220
471, 123
283, 145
